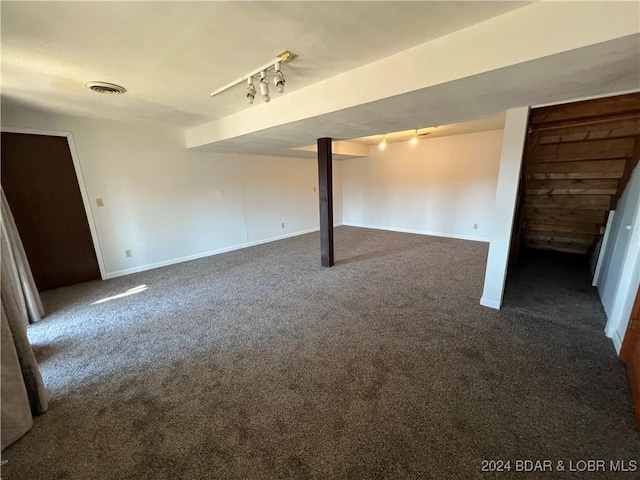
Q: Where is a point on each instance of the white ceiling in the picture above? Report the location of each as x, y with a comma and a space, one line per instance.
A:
363, 69
465, 105
170, 55
492, 123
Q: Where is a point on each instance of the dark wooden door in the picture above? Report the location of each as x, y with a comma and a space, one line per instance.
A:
630, 354
42, 189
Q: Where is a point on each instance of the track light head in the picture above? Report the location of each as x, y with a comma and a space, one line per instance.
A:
264, 87
278, 78
251, 91
414, 139
383, 143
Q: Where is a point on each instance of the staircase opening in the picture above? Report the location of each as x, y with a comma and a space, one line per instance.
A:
578, 199
578, 160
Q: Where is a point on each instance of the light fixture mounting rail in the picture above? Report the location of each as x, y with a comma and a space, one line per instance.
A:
283, 57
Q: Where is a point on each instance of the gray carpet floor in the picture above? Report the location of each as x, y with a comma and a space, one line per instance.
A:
260, 364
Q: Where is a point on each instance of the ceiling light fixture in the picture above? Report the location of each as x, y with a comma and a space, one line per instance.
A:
251, 91
414, 139
278, 78
105, 87
383, 143
264, 87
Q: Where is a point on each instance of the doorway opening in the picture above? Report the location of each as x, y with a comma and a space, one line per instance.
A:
44, 189
578, 160
579, 192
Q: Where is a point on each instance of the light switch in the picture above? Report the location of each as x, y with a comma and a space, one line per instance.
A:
100, 202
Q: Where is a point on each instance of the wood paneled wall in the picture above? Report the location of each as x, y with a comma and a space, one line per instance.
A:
578, 159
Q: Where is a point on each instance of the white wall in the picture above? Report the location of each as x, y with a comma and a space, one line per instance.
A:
515, 132
167, 204
620, 274
441, 186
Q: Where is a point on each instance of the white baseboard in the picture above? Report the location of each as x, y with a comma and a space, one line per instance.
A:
173, 261
491, 303
615, 338
420, 232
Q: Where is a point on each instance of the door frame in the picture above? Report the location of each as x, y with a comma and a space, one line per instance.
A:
81, 183
631, 347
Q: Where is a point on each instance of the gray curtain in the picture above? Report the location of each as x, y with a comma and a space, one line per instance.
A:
19, 277
23, 393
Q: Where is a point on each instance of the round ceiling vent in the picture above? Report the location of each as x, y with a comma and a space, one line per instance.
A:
104, 87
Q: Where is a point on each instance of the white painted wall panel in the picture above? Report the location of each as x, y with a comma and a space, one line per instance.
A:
620, 273
619, 237
441, 186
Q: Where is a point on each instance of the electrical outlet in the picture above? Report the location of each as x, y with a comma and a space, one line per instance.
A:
100, 202
475, 226
127, 253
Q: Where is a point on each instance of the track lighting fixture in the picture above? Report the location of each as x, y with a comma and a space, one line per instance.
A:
278, 79
383, 143
264, 87
414, 139
251, 91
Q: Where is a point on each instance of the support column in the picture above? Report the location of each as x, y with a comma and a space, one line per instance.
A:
325, 182
515, 134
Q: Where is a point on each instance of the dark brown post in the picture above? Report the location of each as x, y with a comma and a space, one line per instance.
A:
325, 181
